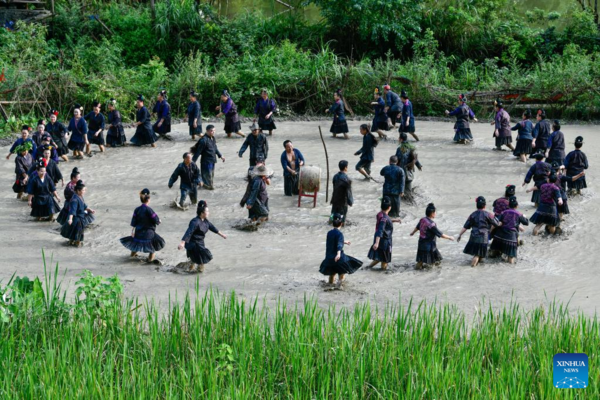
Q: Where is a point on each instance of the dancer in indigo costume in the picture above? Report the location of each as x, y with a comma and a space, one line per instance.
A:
144, 238
23, 164
25, 130
116, 134
556, 145
576, 162
501, 123
162, 109
408, 118
193, 239
427, 252
547, 213
339, 125
264, 110
194, 115
524, 137
341, 197
143, 133
393, 186
462, 128
480, 223
393, 105
541, 133
539, 172
96, 122
78, 220
380, 120
381, 251
42, 198
366, 152
58, 132
189, 175
78, 129
506, 237
336, 262
232, 118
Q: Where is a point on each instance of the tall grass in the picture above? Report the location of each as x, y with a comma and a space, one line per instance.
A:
215, 345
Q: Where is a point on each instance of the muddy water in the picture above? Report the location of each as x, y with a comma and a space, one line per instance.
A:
281, 260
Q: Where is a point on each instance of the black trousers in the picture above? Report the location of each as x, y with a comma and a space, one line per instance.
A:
290, 185
395, 202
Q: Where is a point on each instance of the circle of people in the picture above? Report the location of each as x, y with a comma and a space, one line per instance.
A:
554, 175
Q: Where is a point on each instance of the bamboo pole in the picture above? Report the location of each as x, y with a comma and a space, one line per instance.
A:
327, 162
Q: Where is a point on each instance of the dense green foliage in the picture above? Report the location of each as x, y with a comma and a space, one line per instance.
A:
219, 346
96, 50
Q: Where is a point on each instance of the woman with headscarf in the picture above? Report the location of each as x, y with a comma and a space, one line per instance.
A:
506, 237
95, 120
58, 132
264, 110
194, 115
380, 120
339, 124
162, 109
77, 221
78, 129
232, 119
524, 137
23, 164
193, 239
427, 252
462, 128
480, 222
501, 124
381, 251
336, 261
144, 238
42, 198
143, 133
115, 136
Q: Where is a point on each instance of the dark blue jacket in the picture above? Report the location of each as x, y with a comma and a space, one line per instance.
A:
95, 122
367, 151
394, 179
576, 162
190, 176
284, 162
194, 111
207, 149
78, 131
259, 146
525, 129
407, 111
20, 141
393, 101
335, 243
380, 115
337, 110
163, 110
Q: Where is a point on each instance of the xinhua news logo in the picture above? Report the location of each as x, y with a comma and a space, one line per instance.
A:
570, 371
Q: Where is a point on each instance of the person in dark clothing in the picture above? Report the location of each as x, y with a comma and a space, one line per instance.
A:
162, 109
524, 137
462, 128
380, 120
232, 119
393, 105
47, 144
339, 124
506, 237
25, 129
480, 223
194, 115
249, 179
541, 133
575, 163
408, 159
547, 213
39, 133
555, 150
189, 175
206, 149
58, 132
427, 252
257, 202
258, 143
144, 238
52, 168
341, 198
116, 134
336, 261
69, 192
23, 164
393, 187
501, 123
562, 179
291, 161
539, 172
193, 239
264, 110
95, 121
408, 118
79, 133
366, 152
74, 228
501, 204
143, 133
381, 251
43, 198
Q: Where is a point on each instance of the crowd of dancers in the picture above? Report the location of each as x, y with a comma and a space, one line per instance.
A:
555, 176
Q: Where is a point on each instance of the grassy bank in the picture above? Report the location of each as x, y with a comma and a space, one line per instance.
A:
219, 346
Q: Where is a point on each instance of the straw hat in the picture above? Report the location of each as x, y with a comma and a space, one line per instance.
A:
262, 171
